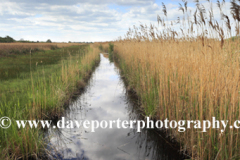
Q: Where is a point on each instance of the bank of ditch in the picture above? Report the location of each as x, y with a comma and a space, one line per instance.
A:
39, 86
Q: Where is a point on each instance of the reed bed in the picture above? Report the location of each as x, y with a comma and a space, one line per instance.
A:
41, 93
189, 73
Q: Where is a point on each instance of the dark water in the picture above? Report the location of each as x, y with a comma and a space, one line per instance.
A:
106, 98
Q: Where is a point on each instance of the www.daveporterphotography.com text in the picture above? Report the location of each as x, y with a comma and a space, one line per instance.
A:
181, 125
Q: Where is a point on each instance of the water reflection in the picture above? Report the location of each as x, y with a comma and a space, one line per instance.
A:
106, 98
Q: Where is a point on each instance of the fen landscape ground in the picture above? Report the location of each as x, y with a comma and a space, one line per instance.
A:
185, 69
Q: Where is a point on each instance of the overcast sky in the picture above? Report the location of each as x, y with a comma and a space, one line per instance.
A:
80, 20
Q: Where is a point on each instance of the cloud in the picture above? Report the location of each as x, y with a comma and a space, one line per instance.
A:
83, 18
86, 20
74, 2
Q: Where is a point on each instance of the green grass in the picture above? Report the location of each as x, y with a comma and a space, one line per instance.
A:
15, 66
36, 86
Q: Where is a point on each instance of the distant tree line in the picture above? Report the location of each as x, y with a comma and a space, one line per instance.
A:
9, 39
6, 39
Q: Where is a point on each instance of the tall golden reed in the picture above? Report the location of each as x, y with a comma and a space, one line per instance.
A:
188, 74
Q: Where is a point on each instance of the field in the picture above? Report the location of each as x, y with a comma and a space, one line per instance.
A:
39, 85
9, 49
187, 74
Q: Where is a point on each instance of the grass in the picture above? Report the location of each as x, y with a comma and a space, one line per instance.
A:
13, 49
110, 51
187, 74
38, 86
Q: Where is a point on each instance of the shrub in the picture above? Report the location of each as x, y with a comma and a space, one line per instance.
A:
49, 41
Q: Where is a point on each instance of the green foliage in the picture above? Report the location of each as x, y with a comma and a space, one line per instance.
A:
49, 41
110, 51
110, 48
6, 39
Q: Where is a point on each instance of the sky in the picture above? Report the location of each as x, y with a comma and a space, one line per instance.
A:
83, 20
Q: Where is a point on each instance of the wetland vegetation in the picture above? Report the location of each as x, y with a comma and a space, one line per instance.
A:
38, 86
188, 69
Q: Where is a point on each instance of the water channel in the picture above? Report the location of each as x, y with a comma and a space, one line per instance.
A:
106, 98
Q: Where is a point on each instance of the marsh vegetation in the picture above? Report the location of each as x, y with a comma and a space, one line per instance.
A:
39, 85
188, 69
